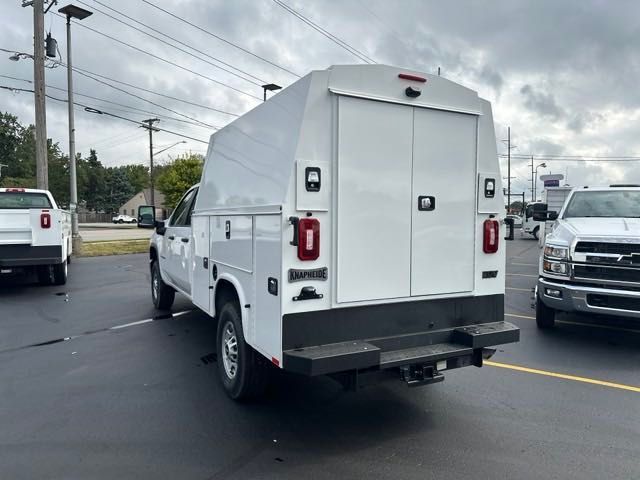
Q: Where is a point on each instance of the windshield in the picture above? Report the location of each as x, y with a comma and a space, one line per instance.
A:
24, 200
618, 203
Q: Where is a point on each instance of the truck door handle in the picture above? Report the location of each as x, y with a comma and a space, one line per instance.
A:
171, 237
426, 203
184, 239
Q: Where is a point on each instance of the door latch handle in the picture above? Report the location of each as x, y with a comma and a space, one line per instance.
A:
171, 237
184, 239
426, 203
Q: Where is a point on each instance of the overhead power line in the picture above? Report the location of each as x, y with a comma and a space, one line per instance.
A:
203, 30
129, 107
257, 81
90, 109
575, 158
338, 41
162, 59
143, 89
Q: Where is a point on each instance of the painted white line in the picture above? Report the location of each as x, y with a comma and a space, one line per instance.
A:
528, 317
525, 264
521, 275
148, 320
518, 289
126, 325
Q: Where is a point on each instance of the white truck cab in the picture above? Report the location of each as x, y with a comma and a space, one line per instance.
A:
590, 262
34, 235
349, 226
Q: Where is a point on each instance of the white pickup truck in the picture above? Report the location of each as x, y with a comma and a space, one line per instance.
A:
349, 226
34, 235
590, 262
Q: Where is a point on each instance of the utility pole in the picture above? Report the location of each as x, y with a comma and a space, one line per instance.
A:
151, 128
532, 178
42, 170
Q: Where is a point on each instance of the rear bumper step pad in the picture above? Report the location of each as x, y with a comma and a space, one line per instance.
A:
355, 355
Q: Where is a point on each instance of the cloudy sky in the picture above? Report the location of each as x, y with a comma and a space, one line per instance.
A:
563, 74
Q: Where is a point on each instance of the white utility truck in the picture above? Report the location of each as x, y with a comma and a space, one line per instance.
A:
349, 226
552, 198
591, 258
34, 235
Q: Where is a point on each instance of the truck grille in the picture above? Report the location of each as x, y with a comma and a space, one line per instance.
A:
610, 248
590, 272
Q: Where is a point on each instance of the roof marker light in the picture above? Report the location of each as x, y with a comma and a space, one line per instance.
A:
415, 78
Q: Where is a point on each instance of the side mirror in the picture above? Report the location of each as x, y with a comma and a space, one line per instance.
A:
510, 223
146, 216
539, 213
544, 216
552, 215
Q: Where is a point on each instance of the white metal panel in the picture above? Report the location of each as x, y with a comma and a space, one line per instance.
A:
201, 278
232, 241
15, 227
374, 200
265, 310
444, 167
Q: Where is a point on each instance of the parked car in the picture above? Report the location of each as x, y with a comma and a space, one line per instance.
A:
590, 262
124, 219
34, 235
345, 227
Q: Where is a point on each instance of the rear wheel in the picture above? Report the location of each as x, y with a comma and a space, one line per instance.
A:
545, 316
120, 221
60, 273
161, 293
535, 232
243, 371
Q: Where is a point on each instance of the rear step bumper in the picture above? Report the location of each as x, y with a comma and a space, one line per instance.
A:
465, 347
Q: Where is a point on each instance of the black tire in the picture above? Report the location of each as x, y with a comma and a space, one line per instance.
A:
60, 273
120, 221
248, 377
134, 221
161, 293
45, 274
535, 232
545, 316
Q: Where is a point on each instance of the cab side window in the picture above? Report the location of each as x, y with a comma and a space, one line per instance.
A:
182, 213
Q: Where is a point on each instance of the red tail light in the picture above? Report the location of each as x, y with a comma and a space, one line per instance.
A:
491, 236
15, 189
45, 220
308, 239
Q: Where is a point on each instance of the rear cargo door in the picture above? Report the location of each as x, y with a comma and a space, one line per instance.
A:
15, 227
443, 202
374, 200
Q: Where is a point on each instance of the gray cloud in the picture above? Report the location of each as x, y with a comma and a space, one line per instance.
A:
541, 103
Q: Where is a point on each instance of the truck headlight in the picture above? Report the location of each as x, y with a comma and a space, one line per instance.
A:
561, 253
557, 268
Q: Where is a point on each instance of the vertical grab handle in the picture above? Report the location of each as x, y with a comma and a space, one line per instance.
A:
294, 221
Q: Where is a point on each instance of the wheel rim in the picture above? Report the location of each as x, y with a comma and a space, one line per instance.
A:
155, 284
230, 350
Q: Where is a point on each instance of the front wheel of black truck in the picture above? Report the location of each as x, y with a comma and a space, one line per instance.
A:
243, 371
545, 316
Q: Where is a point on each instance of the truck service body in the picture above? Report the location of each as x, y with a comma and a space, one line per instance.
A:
351, 225
34, 235
590, 262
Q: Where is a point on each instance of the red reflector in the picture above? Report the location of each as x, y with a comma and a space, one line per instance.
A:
415, 78
15, 190
275, 361
45, 220
308, 239
491, 236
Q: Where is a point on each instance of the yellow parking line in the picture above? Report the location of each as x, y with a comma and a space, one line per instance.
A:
563, 376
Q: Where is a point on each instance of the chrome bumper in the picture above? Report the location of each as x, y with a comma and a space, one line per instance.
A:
573, 298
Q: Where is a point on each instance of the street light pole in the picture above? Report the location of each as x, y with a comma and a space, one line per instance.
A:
535, 183
79, 13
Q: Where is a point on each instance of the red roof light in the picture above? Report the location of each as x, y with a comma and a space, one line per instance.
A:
415, 78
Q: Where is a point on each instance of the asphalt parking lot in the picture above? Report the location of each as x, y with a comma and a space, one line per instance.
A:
96, 384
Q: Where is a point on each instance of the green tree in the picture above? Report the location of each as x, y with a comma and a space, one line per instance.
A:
178, 176
138, 176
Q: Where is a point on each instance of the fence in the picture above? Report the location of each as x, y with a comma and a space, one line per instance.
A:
92, 217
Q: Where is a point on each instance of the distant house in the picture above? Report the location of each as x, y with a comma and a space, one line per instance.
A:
144, 198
